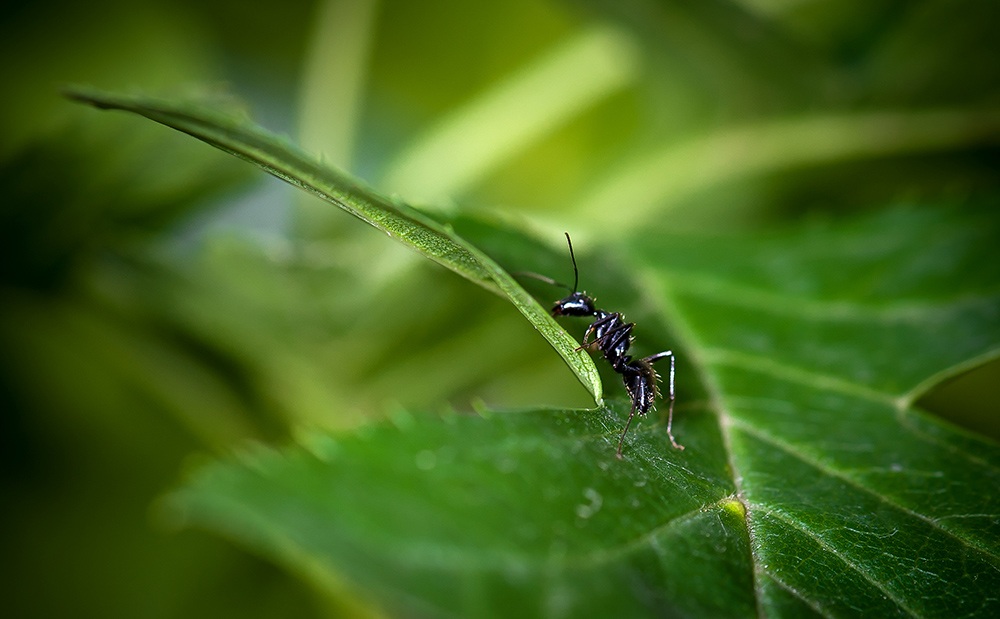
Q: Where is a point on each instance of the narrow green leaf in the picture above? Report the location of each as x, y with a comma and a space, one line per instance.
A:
503, 121
335, 76
653, 180
810, 485
282, 159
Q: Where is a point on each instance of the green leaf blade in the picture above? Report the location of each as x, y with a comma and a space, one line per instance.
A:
280, 158
516, 514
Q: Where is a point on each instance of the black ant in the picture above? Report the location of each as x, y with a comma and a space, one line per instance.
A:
613, 336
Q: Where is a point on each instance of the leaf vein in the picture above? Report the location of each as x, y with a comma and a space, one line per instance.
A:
606, 555
833, 472
750, 297
768, 367
802, 528
905, 418
693, 347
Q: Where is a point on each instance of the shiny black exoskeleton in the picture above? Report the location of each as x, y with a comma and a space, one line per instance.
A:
613, 337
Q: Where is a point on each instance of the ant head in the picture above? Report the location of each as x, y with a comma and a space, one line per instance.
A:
576, 304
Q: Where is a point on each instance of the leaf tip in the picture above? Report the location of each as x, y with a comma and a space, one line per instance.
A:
82, 94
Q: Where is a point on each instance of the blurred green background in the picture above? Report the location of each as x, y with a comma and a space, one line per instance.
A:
161, 302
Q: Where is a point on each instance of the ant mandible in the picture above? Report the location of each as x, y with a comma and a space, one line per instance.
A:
613, 336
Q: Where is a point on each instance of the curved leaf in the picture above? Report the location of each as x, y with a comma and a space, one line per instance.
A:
412, 228
811, 486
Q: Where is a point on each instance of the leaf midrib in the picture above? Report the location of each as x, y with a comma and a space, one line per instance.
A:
690, 344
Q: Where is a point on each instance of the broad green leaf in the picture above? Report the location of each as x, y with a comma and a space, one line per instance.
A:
810, 486
511, 515
412, 228
813, 347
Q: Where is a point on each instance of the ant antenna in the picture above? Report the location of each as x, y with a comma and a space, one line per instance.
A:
576, 273
549, 280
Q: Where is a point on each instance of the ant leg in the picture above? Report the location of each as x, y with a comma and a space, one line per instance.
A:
670, 422
592, 328
547, 280
635, 403
670, 414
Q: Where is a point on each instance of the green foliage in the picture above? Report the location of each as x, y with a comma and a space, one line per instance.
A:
810, 486
732, 174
